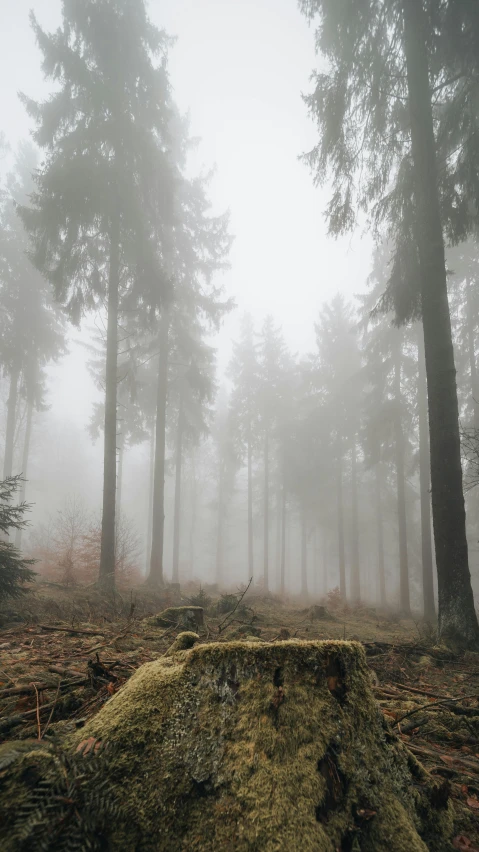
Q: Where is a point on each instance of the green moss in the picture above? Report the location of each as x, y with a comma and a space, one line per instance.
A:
183, 642
261, 747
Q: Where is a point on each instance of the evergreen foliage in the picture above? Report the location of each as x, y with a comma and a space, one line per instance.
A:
15, 570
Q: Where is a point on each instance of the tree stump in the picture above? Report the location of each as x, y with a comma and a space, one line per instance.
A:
258, 748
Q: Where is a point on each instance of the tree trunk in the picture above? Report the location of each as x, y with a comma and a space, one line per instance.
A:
380, 535
250, 510
177, 516
456, 616
341, 548
283, 539
26, 453
11, 416
400, 483
266, 514
107, 554
304, 552
149, 528
325, 562
119, 481
193, 517
219, 529
155, 577
277, 568
471, 343
355, 578
424, 487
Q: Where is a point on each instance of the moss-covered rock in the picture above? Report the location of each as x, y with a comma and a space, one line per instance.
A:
254, 747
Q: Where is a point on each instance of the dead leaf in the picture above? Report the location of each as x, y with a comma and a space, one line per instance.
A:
463, 844
473, 802
86, 746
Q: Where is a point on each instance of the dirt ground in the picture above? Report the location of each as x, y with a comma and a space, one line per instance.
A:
64, 653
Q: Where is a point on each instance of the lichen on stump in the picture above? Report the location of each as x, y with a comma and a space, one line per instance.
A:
261, 747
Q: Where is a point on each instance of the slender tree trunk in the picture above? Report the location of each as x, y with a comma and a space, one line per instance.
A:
119, 482
266, 513
277, 569
149, 529
304, 552
401, 484
355, 577
220, 527
471, 344
107, 554
158, 514
177, 515
325, 562
11, 416
341, 547
26, 453
380, 535
283, 539
456, 616
250, 509
193, 516
424, 486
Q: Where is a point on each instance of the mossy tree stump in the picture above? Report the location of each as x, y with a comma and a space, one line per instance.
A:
261, 747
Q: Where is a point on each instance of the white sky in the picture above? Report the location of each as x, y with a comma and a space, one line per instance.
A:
238, 67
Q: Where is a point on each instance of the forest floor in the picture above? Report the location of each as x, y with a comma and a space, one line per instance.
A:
63, 653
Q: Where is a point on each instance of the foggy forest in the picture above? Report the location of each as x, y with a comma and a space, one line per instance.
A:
239, 425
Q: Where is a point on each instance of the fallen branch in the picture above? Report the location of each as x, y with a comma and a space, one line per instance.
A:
72, 630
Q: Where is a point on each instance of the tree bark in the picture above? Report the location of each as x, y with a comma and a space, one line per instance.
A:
11, 417
266, 514
471, 343
405, 604
456, 614
424, 487
380, 535
341, 547
355, 578
304, 552
177, 515
250, 509
107, 554
155, 577
26, 454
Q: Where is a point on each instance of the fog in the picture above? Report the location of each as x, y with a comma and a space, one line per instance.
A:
296, 421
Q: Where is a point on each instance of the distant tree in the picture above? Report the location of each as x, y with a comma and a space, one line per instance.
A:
198, 251
244, 411
32, 327
336, 375
273, 363
105, 186
15, 570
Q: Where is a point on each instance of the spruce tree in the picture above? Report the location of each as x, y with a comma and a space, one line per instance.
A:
374, 103
15, 570
105, 185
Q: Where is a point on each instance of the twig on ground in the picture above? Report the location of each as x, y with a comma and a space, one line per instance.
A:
230, 614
